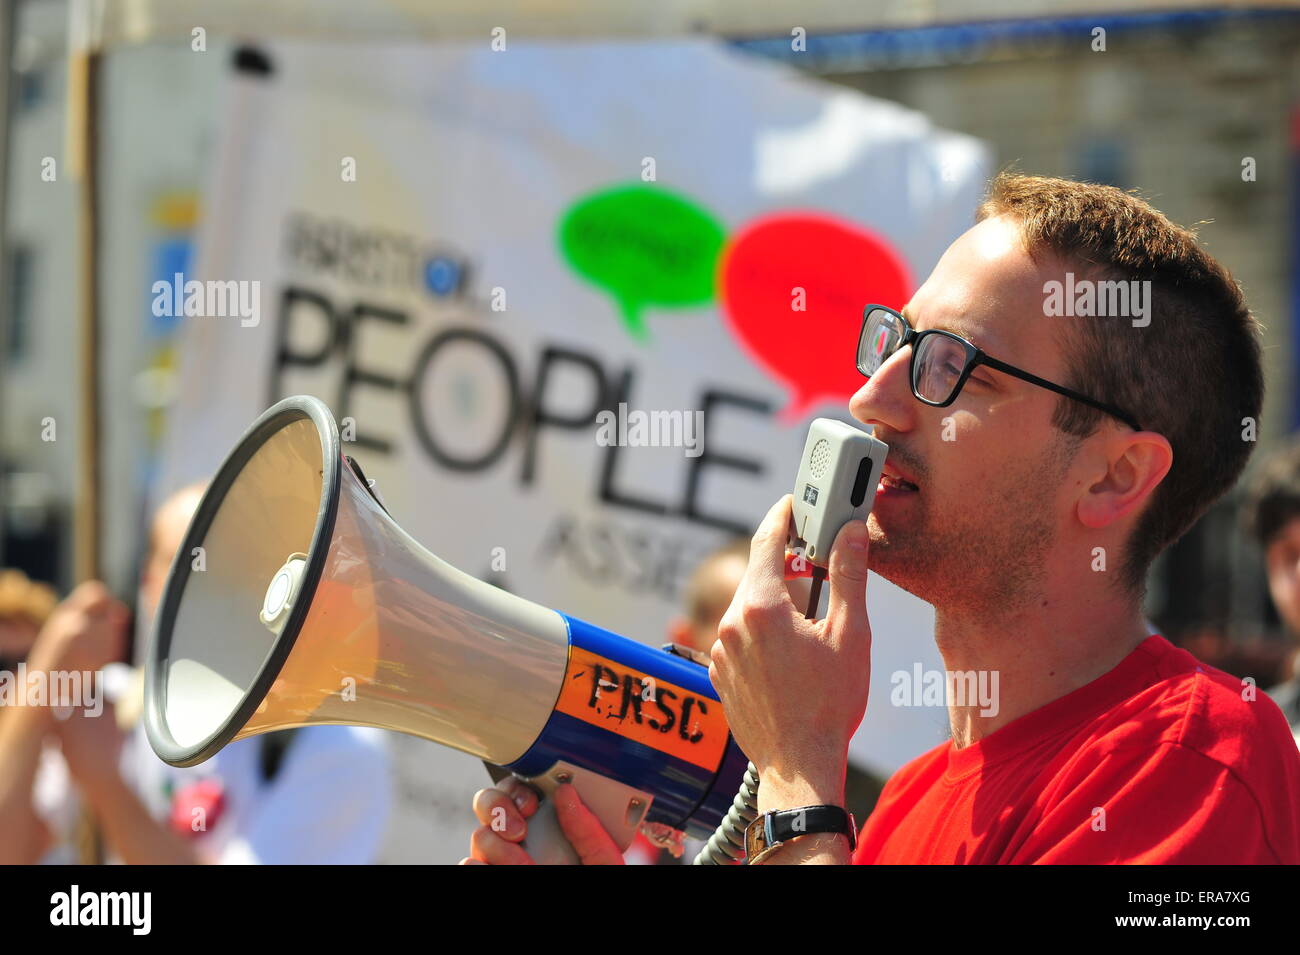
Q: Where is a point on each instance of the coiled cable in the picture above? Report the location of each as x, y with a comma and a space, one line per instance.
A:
727, 844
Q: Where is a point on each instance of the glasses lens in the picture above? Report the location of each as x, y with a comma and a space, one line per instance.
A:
938, 365
881, 333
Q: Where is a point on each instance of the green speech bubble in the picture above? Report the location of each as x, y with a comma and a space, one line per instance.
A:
645, 246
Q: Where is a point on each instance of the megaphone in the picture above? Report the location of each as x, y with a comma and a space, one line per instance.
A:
296, 599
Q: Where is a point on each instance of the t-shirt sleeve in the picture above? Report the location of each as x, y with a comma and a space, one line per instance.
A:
328, 805
1144, 805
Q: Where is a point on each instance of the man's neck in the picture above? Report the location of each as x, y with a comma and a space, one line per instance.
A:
1033, 654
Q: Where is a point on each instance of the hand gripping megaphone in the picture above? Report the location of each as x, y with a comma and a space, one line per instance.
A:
295, 599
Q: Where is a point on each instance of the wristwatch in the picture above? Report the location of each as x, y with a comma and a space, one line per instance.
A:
770, 830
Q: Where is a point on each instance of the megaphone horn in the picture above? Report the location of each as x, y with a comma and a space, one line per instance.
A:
311, 605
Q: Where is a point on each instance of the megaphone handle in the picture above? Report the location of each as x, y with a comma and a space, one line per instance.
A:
546, 843
618, 807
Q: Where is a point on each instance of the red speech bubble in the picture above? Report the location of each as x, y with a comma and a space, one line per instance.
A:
793, 287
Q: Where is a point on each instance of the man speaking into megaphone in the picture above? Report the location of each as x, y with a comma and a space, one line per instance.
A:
1040, 458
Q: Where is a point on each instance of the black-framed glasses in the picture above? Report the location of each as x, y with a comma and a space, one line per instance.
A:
942, 361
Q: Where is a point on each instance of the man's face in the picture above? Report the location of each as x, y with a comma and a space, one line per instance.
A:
1282, 559
989, 468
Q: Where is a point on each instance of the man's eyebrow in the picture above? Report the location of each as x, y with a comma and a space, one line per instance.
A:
956, 329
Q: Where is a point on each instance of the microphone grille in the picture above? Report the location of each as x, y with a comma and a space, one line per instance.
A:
820, 458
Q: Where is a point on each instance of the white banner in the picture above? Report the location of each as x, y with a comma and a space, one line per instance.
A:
468, 253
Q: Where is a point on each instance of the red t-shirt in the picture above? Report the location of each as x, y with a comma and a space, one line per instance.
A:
1161, 760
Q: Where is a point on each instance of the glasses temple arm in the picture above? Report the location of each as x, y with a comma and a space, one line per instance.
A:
984, 359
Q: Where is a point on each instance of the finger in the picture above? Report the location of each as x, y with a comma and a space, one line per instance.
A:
487, 846
848, 574
90, 593
468, 861
498, 812
583, 830
767, 549
524, 795
110, 612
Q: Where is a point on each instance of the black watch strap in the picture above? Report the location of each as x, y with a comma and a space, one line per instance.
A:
773, 828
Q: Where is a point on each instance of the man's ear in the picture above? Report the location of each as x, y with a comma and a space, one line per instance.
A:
1135, 464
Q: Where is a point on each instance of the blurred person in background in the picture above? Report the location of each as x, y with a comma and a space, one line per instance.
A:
24, 607
316, 795
708, 595
1272, 514
45, 637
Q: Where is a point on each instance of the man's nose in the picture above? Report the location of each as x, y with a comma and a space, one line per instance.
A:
886, 398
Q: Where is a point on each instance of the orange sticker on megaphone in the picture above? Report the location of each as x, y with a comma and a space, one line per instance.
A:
660, 715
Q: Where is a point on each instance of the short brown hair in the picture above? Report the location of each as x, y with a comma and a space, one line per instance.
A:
1193, 374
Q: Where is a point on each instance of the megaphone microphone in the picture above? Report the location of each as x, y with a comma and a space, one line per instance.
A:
296, 599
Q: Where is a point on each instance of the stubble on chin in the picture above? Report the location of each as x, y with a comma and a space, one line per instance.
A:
897, 557
993, 565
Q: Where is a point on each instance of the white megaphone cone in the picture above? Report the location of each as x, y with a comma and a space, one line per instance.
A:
295, 599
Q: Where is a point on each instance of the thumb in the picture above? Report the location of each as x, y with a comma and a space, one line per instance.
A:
848, 574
